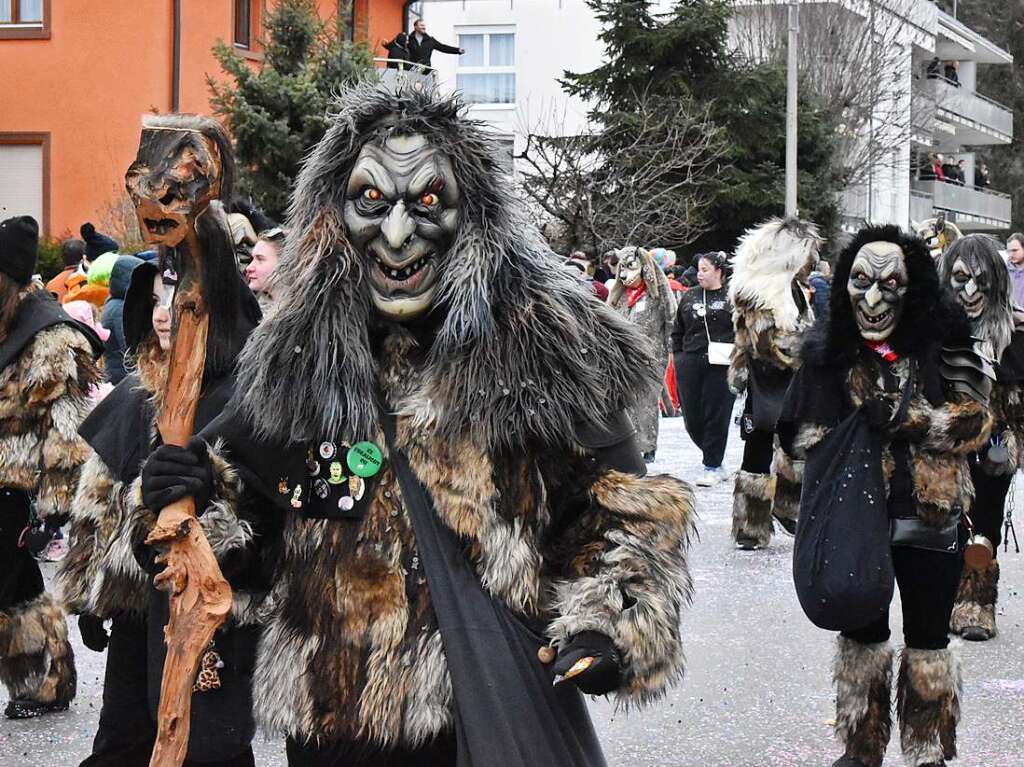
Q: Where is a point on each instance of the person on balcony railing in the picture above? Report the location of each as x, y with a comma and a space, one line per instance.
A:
952, 73
398, 51
981, 179
422, 45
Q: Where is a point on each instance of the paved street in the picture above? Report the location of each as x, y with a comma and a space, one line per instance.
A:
757, 690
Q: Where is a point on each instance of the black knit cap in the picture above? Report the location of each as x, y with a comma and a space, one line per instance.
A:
19, 248
96, 244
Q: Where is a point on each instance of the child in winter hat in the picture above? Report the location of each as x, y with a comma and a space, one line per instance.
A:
96, 244
19, 248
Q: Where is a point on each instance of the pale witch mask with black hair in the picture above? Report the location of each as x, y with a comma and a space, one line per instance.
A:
401, 213
877, 288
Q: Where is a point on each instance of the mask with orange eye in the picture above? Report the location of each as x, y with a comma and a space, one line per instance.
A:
401, 213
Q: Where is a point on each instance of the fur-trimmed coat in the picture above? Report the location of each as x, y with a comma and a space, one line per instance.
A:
490, 393
941, 429
101, 574
44, 396
352, 647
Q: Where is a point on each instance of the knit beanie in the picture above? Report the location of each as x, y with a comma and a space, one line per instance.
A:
19, 248
96, 244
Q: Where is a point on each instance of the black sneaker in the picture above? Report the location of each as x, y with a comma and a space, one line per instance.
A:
848, 761
29, 709
747, 544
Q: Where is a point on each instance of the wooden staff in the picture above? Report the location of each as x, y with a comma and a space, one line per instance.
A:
199, 595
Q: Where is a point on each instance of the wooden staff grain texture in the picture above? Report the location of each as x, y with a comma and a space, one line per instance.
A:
199, 595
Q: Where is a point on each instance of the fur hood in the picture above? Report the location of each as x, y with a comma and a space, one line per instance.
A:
769, 257
522, 351
653, 276
931, 316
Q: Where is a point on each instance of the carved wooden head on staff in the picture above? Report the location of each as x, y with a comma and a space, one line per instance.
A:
183, 162
180, 180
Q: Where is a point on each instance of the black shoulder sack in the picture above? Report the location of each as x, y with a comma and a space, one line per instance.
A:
842, 559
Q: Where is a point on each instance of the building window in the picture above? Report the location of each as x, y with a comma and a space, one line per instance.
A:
25, 169
243, 23
486, 72
24, 19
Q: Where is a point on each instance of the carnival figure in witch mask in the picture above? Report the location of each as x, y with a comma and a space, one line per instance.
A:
641, 293
427, 339
897, 348
974, 270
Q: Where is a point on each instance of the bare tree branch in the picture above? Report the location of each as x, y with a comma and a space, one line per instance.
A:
641, 178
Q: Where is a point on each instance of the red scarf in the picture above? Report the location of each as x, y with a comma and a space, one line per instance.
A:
635, 294
883, 350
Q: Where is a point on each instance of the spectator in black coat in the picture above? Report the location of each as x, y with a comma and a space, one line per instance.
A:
422, 45
113, 313
981, 179
398, 51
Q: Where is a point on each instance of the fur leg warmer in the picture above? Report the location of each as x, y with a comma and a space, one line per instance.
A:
928, 704
974, 614
863, 677
789, 477
36, 659
752, 509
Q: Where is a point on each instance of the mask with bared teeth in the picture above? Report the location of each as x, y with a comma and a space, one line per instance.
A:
401, 213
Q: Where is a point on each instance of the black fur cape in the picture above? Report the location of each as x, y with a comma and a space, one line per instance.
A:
521, 353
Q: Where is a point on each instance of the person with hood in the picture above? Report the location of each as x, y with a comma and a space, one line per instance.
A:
46, 371
641, 294
771, 314
882, 353
108, 571
973, 269
435, 411
115, 346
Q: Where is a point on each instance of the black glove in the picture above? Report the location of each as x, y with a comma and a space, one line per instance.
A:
172, 472
878, 412
93, 634
604, 674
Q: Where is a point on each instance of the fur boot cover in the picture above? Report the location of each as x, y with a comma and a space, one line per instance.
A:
928, 704
752, 508
789, 477
36, 659
974, 614
862, 674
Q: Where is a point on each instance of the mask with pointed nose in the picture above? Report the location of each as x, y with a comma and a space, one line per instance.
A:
401, 212
970, 283
877, 288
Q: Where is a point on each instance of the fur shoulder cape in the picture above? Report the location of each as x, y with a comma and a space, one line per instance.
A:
522, 351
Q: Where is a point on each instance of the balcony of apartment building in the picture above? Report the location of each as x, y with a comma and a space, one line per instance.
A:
946, 95
971, 208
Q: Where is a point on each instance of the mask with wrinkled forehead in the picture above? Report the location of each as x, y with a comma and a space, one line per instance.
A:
401, 213
877, 288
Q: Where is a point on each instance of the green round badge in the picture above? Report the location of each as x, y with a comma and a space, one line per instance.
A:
364, 459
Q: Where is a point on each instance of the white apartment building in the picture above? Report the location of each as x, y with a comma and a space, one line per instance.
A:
517, 51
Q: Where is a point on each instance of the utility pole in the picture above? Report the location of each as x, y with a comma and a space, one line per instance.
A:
791, 107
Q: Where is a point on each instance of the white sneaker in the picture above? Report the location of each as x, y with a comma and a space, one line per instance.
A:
709, 478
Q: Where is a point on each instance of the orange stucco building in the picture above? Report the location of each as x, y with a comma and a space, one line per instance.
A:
78, 76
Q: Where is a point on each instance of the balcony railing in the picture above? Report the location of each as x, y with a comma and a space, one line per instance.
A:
977, 110
979, 205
